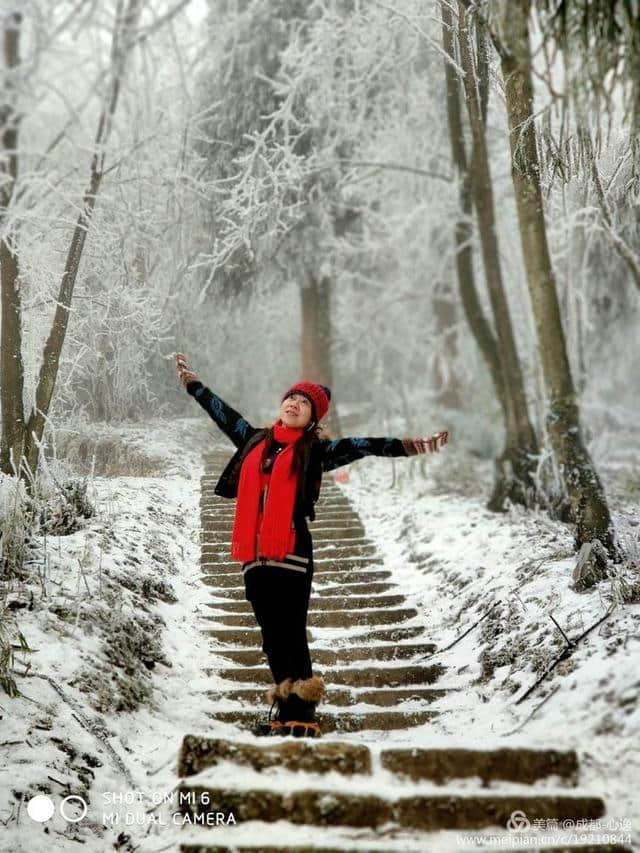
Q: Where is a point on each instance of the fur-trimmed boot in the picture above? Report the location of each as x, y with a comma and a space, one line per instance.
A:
279, 692
297, 713
310, 689
276, 695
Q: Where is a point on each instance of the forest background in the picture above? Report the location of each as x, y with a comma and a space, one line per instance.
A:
432, 208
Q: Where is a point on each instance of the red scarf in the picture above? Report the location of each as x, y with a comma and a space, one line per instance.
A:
269, 534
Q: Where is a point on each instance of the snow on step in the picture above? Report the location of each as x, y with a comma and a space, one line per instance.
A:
334, 603
323, 592
331, 657
374, 676
426, 812
392, 697
339, 721
510, 764
214, 565
343, 619
216, 579
252, 636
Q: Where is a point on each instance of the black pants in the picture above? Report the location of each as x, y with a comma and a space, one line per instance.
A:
280, 600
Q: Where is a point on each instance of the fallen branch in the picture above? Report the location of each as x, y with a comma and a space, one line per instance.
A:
462, 636
566, 639
58, 782
531, 715
566, 652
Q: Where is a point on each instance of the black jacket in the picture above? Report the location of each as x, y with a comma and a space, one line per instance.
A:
325, 455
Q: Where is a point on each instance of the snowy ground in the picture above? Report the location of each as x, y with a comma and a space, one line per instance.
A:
124, 594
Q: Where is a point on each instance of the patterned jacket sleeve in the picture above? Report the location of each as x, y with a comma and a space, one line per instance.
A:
232, 424
342, 451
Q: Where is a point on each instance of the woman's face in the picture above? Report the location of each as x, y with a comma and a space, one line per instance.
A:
295, 411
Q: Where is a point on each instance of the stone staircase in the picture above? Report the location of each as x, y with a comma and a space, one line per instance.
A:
368, 645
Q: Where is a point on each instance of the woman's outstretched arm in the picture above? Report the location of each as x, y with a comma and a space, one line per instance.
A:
232, 424
342, 451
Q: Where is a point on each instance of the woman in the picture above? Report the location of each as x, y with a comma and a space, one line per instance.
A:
275, 474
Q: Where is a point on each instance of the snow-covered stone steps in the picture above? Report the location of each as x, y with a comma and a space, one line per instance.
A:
426, 812
324, 562
354, 551
253, 637
439, 765
336, 721
357, 794
333, 619
369, 588
324, 517
395, 634
321, 566
238, 636
508, 764
322, 569
354, 676
329, 656
332, 657
335, 550
339, 534
224, 523
214, 520
199, 753
334, 499
339, 506
384, 697
332, 602
334, 518
226, 579
372, 589
256, 836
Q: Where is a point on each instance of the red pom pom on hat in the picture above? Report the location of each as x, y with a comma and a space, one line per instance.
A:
318, 395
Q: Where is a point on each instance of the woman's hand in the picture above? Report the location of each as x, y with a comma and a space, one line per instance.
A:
185, 374
432, 443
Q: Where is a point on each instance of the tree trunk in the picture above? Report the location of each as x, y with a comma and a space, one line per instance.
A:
450, 394
586, 494
315, 297
11, 364
122, 43
514, 467
521, 445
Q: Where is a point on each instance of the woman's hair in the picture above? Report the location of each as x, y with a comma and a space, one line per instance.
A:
301, 450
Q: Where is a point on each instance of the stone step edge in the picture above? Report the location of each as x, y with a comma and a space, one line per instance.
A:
530, 801
439, 765
361, 784
337, 649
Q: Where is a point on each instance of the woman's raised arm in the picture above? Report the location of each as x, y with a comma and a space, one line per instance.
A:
342, 451
232, 424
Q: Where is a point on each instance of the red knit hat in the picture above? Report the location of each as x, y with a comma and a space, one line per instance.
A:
318, 396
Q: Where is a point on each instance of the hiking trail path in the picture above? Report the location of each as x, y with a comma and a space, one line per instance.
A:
363, 785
